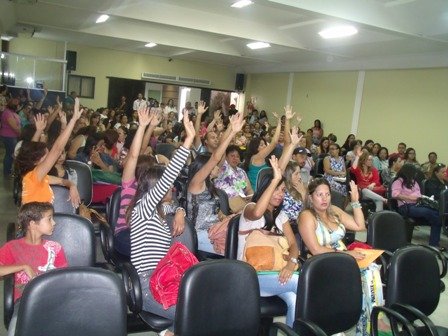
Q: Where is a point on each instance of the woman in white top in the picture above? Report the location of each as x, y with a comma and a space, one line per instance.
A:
265, 212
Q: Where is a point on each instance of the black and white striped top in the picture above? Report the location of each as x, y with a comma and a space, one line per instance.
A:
150, 234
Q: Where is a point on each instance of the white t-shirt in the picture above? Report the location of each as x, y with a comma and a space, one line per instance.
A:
246, 225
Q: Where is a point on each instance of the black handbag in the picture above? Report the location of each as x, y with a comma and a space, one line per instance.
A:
428, 202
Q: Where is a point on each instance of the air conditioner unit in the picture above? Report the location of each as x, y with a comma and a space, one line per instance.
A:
176, 79
25, 31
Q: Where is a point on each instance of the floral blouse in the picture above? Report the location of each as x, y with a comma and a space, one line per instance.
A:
292, 208
232, 181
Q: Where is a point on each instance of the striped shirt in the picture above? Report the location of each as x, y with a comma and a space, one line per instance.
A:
150, 234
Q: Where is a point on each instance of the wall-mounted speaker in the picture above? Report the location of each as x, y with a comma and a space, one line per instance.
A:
70, 56
239, 82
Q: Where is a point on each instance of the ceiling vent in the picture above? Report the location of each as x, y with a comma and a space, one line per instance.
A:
176, 79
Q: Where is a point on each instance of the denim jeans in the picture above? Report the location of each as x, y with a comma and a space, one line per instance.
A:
270, 286
150, 304
8, 159
204, 243
430, 215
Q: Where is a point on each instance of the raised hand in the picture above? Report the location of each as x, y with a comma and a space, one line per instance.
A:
217, 115
189, 129
288, 112
156, 117
299, 119
354, 192
77, 111
275, 167
144, 117
275, 114
295, 138
201, 108
358, 151
50, 109
62, 117
41, 122
237, 122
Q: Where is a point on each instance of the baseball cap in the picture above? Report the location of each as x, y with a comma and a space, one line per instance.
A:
301, 150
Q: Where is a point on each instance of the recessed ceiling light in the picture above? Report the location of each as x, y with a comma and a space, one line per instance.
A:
339, 31
102, 18
258, 45
150, 45
242, 3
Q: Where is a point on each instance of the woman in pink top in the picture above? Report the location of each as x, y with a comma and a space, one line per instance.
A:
407, 191
9, 132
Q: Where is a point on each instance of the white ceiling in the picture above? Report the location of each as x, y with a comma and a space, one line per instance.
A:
392, 33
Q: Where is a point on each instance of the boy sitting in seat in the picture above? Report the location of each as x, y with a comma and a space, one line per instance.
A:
31, 255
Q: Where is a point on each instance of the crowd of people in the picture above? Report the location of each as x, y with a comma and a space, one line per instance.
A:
220, 150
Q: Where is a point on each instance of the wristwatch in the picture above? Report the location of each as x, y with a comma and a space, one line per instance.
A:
294, 260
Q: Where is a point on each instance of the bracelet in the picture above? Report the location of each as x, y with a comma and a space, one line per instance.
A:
356, 205
181, 209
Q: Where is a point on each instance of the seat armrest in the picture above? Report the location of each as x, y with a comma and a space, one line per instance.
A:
312, 327
392, 316
417, 315
131, 282
275, 327
107, 242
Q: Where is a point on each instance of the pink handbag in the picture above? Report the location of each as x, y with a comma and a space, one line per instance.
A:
165, 281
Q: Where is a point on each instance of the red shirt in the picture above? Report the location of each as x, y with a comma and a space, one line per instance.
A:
362, 180
41, 258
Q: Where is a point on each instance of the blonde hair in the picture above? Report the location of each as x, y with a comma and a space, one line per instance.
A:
290, 168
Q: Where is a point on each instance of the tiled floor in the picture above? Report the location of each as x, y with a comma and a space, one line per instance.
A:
8, 213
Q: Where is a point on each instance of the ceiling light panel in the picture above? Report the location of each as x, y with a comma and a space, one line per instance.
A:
338, 32
102, 18
241, 3
150, 45
258, 45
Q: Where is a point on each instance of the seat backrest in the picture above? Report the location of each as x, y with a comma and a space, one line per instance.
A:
77, 237
330, 293
223, 202
232, 238
319, 167
165, 149
188, 237
338, 199
73, 301
113, 208
261, 173
62, 203
414, 279
220, 298
85, 180
387, 230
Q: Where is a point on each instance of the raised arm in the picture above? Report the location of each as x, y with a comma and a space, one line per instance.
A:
261, 155
289, 149
41, 101
356, 159
196, 184
254, 211
201, 110
355, 222
144, 118
152, 126
155, 194
288, 116
41, 123
45, 166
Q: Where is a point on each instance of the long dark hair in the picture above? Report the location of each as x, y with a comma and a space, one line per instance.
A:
268, 215
252, 149
195, 166
408, 173
147, 180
